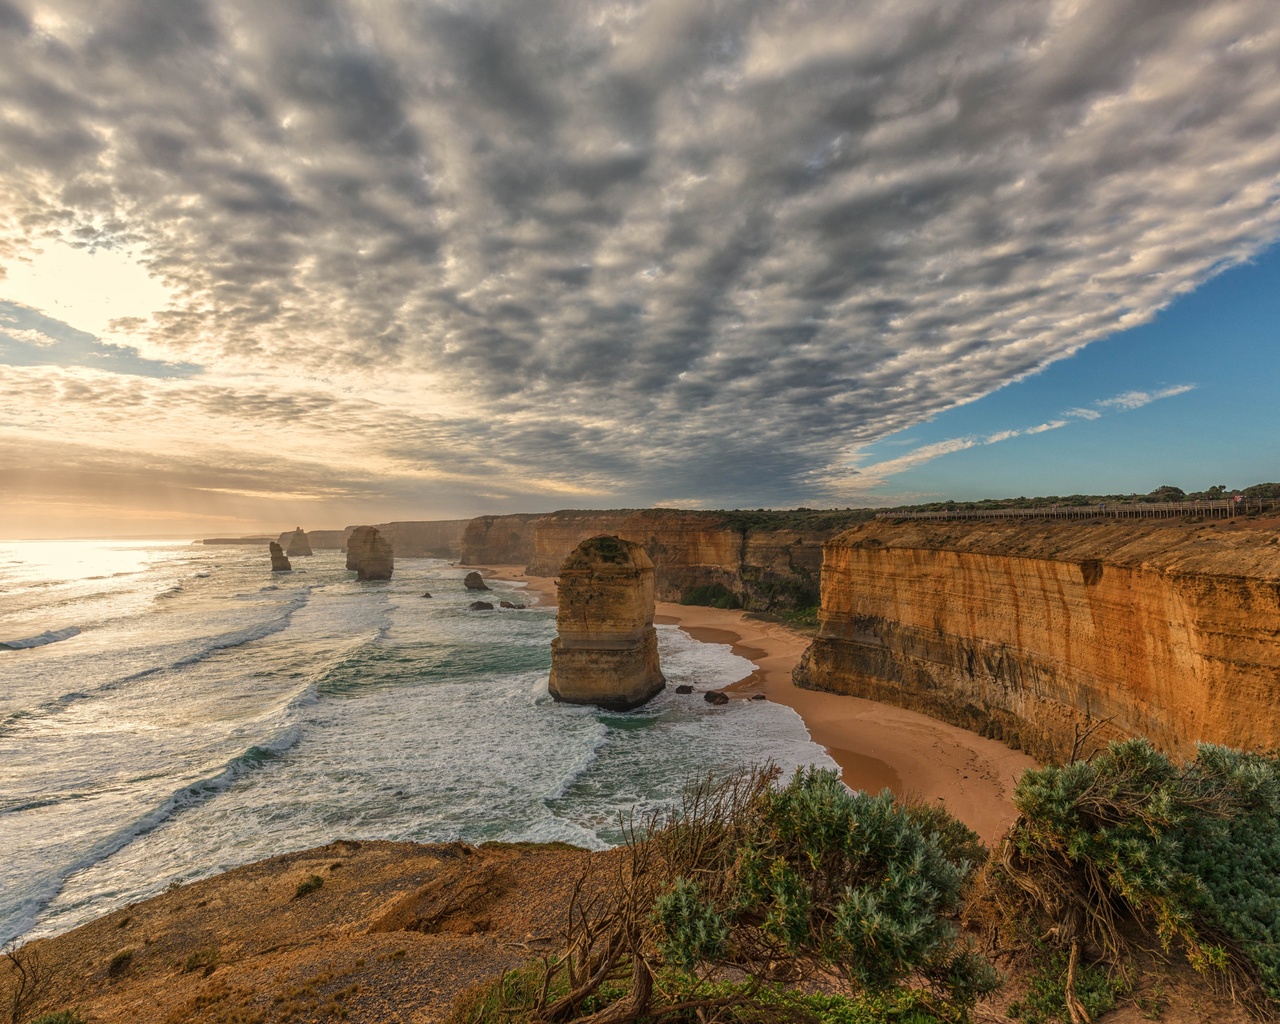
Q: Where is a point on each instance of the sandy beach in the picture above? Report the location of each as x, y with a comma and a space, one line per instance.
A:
876, 745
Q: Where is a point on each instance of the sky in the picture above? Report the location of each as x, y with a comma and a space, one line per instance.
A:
343, 261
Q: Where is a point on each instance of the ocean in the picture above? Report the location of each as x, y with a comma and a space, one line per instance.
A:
169, 711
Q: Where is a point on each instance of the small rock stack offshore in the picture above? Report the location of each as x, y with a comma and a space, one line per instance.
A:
369, 554
299, 545
606, 652
279, 562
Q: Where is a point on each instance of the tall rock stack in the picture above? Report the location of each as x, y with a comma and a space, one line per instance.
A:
369, 554
279, 562
606, 652
298, 544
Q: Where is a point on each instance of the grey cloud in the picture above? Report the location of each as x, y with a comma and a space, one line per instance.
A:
774, 229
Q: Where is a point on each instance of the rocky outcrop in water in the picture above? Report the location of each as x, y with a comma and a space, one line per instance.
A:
369, 554
298, 544
1033, 632
279, 561
606, 650
474, 581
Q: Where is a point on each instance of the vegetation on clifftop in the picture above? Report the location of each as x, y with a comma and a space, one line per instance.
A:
1131, 845
728, 907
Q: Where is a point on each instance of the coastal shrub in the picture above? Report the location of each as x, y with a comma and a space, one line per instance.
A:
60, 1017
713, 595
803, 619
776, 884
307, 886
1188, 852
1045, 1000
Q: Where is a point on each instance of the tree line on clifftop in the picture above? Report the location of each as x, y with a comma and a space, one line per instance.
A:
1164, 493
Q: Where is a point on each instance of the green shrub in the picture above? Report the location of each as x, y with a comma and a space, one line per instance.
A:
1046, 1000
1189, 851
713, 595
60, 1017
307, 886
792, 883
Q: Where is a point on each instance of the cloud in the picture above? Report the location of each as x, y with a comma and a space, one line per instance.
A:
875, 475
1137, 399
1051, 425
683, 249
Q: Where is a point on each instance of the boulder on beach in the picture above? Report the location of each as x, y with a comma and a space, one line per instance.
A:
715, 697
279, 561
369, 554
474, 581
481, 606
299, 545
759, 696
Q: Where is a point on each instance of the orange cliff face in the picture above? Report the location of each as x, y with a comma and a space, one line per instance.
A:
1034, 631
500, 540
766, 560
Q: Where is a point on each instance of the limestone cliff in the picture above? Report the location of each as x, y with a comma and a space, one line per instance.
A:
318, 540
369, 554
333, 540
606, 650
279, 561
1032, 631
500, 540
759, 560
298, 545
436, 538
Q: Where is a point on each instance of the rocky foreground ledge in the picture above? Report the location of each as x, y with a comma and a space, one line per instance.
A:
358, 931
377, 932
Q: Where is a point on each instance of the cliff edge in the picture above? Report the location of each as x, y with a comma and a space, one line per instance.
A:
1037, 632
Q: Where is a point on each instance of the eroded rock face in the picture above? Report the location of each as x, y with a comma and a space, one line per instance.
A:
474, 581
1033, 632
500, 540
279, 563
606, 652
298, 544
369, 554
761, 561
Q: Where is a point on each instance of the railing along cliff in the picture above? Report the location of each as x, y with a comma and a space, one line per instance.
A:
1218, 509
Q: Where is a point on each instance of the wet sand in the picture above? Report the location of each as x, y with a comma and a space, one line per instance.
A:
877, 746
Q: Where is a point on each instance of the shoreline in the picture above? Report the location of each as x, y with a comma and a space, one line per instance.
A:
876, 745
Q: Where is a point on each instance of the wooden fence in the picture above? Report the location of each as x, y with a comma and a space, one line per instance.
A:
1219, 509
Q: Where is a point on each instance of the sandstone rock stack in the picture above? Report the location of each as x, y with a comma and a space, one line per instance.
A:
279, 563
298, 544
607, 651
369, 554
